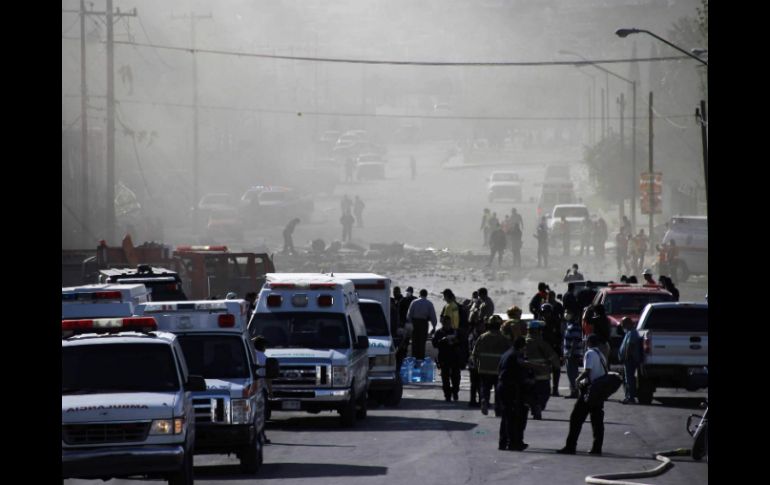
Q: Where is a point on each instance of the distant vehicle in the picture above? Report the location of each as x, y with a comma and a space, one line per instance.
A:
504, 185
557, 172
690, 234
675, 342
352, 136
370, 171
553, 193
225, 223
575, 215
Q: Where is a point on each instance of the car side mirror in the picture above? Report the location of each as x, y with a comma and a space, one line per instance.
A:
195, 383
362, 342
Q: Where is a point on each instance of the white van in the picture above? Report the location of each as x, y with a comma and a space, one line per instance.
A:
313, 326
102, 301
385, 384
691, 237
230, 413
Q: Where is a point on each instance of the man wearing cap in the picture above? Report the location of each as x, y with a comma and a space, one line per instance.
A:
421, 312
647, 275
541, 355
486, 354
594, 366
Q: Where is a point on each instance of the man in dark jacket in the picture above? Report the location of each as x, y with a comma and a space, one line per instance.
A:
449, 360
512, 388
540, 297
403, 309
553, 336
497, 243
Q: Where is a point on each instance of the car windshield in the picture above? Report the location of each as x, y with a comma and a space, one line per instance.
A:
374, 319
681, 319
214, 356
580, 212
314, 330
505, 177
118, 367
632, 303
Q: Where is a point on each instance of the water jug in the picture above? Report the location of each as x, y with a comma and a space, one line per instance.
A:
417, 371
428, 370
407, 366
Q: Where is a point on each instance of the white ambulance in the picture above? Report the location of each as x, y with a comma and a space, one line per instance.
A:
230, 414
313, 326
126, 405
385, 384
102, 301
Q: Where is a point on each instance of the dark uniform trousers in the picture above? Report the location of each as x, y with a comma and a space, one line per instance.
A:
579, 414
419, 337
513, 421
475, 385
450, 379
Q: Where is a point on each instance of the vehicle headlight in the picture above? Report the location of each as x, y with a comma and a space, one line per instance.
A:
339, 375
241, 411
385, 360
167, 426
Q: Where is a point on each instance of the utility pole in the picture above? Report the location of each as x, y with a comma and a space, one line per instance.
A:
700, 115
633, 159
196, 156
84, 219
651, 180
621, 199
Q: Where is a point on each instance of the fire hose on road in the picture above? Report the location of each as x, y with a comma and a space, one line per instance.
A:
617, 478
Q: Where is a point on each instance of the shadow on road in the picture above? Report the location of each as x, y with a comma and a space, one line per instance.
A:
289, 470
677, 402
371, 423
417, 403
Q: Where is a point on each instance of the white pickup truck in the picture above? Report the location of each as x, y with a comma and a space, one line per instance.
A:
675, 343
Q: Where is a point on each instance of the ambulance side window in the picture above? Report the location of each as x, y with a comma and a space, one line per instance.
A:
351, 329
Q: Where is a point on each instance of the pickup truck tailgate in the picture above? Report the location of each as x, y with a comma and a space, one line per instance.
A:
681, 348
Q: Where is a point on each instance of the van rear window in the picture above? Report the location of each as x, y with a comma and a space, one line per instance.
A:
307, 330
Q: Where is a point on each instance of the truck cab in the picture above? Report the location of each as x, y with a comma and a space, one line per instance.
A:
102, 300
385, 384
127, 407
314, 327
229, 414
163, 284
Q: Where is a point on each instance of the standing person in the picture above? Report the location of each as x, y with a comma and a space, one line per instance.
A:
668, 284
553, 336
621, 250
486, 306
450, 358
640, 244
540, 297
542, 243
350, 166
647, 275
358, 210
451, 311
288, 231
496, 245
564, 228
585, 236
486, 353
421, 312
403, 309
600, 326
625, 225
506, 225
260, 345
573, 355
513, 327
517, 219
347, 221
572, 309
516, 244
630, 355
485, 228
575, 276
413, 166
541, 355
594, 365
476, 330
512, 388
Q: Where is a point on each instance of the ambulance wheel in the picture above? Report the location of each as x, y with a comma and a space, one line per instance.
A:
348, 412
251, 456
361, 411
185, 475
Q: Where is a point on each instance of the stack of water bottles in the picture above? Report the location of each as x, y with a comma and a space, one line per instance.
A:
415, 371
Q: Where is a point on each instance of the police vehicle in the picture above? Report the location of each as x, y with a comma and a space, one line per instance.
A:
103, 300
313, 326
126, 405
230, 413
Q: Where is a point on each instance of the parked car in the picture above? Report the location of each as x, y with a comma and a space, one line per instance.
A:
504, 185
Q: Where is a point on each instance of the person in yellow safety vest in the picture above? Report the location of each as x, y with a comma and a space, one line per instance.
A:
541, 355
450, 312
486, 353
513, 327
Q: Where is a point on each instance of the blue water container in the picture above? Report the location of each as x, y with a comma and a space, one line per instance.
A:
428, 370
406, 369
417, 371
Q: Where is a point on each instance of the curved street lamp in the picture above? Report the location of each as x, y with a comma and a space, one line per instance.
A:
626, 32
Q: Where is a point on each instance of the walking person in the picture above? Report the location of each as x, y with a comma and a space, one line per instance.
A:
630, 355
288, 231
594, 365
358, 210
512, 388
573, 354
541, 355
347, 221
421, 312
477, 329
640, 245
553, 336
403, 308
542, 244
516, 244
450, 358
621, 250
517, 219
497, 245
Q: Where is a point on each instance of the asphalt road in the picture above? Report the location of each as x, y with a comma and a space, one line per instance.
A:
428, 441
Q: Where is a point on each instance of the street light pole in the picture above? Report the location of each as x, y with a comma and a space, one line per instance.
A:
625, 32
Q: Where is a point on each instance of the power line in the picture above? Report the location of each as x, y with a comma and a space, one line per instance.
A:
141, 24
401, 63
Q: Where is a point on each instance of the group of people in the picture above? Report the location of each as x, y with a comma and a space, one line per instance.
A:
630, 249
501, 235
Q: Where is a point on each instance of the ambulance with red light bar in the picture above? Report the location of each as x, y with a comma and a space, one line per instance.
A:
314, 327
385, 384
104, 300
126, 406
230, 413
